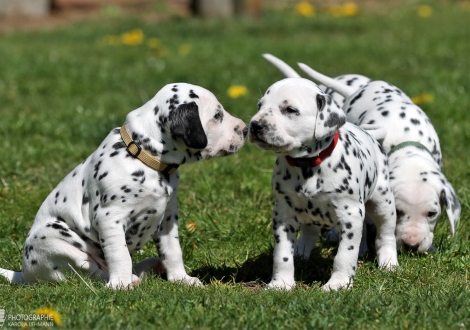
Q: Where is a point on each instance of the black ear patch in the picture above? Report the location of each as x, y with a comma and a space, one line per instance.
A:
320, 102
186, 125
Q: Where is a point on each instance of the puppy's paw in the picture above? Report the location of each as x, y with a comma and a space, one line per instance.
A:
335, 285
186, 279
281, 285
389, 265
119, 284
387, 259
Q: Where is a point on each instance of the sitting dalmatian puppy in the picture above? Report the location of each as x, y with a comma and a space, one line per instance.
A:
412, 144
328, 173
124, 193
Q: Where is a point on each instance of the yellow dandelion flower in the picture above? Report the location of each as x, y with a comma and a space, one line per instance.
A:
424, 11
133, 37
111, 40
349, 9
422, 98
304, 8
191, 226
153, 43
237, 91
24, 325
50, 312
184, 49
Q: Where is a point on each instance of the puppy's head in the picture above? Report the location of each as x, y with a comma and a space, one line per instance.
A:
294, 118
419, 198
186, 123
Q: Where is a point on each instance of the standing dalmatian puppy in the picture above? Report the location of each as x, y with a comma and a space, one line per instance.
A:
415, 157
124, 194
328, 173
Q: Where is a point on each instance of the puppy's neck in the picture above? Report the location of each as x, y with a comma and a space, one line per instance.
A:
313, 150
151, 131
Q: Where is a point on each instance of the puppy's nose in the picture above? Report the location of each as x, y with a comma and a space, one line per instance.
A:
245, 131
409, 247
255, 128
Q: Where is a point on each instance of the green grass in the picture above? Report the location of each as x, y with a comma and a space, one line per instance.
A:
62, 91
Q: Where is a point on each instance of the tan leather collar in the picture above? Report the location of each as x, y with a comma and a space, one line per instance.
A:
144, 156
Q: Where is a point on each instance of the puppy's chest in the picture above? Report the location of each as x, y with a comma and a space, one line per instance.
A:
308, 196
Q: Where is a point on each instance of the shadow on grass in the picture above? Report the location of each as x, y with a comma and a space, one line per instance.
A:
258, 270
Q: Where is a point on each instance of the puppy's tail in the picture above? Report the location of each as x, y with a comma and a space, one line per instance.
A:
282, 66
13, 277
336, 85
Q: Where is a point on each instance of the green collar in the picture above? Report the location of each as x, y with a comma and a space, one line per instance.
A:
408, 144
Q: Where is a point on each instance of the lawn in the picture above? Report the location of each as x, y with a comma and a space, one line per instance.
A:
63, 90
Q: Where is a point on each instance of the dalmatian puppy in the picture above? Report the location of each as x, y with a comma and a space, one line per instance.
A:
354, 81
328, 173
110, 205
415, 159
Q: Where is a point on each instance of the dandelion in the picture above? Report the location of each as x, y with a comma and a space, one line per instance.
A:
304, 8
191, 226
422, 98
237, 91
346, 9
424, 11
184, 49
133, 37
349, 9
50, 312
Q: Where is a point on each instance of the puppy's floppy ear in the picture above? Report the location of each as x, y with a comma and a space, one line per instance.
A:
450, 200
329, 117
186, 125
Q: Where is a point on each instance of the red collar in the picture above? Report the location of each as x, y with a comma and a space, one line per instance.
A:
314, 161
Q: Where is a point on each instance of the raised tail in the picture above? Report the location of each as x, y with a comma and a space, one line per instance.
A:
282, 66
336, 85
12, 277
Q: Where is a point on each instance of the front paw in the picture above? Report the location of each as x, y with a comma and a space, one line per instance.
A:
122, 284
186, 279
335, 285
281, 285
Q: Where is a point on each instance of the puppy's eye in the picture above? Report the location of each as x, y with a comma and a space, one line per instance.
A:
432, 214
291, 110
219, 116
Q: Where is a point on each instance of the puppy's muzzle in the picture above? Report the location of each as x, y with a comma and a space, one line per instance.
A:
255, 128
410, 247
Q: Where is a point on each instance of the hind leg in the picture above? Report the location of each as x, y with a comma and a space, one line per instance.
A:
147, 266
52, 258
307, 240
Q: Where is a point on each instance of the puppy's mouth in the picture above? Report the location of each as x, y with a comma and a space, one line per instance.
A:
263, 144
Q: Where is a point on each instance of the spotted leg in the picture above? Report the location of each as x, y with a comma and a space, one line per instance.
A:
285, 233
381, 207
168, 245
345, 262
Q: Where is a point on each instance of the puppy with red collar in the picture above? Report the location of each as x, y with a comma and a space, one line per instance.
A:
329, 173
